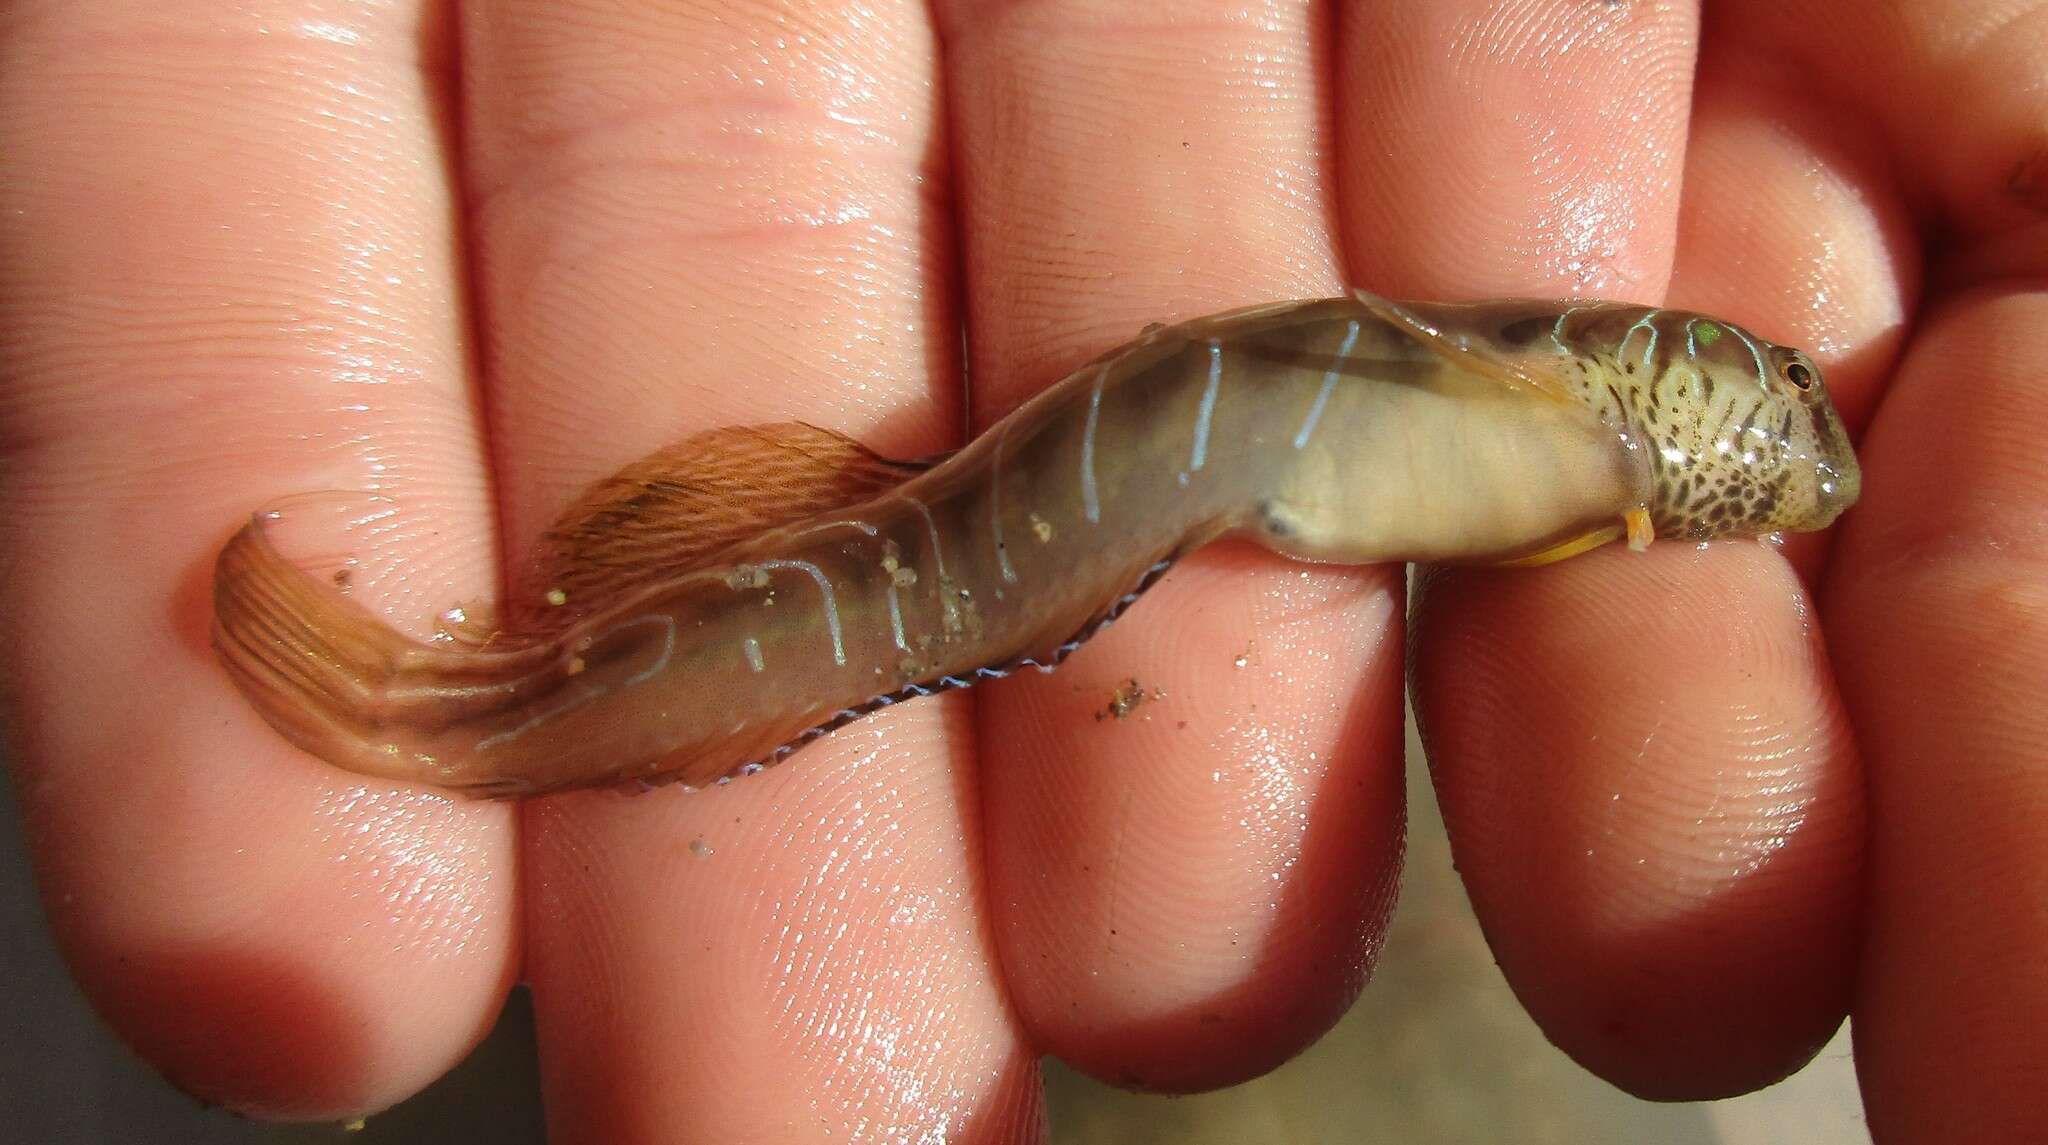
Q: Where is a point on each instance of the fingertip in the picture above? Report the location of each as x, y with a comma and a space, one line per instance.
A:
1655, 806
1190, 894
265, 1035
250, 985
1938, 603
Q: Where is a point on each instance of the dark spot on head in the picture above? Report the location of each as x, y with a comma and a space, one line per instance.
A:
1817, 413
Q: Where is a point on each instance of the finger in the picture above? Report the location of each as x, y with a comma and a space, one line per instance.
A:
228, 277
681, 228
1942, 624
1529, 147
1191, 894
1935, 604
1645, 773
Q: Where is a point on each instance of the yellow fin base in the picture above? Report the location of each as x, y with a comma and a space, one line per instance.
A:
1565, 549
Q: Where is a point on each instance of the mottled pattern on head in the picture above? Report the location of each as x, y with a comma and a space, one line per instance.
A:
1741, 434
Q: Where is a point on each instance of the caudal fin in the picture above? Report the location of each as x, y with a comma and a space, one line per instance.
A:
312, 662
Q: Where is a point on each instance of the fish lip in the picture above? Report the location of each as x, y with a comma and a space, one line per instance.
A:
1837, 486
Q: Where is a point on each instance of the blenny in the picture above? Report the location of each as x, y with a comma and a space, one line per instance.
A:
739, 594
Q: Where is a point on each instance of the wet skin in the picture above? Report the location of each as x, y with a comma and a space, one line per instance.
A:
1706, 801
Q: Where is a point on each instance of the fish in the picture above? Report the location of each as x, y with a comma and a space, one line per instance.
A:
709, 610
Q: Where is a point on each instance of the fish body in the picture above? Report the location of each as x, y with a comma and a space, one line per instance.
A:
738, 596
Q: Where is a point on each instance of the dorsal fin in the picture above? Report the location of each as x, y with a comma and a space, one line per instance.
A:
677, 508
1474, 353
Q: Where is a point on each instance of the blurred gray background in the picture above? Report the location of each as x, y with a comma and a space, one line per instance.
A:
1436, 1051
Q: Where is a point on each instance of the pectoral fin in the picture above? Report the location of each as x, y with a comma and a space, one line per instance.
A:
1635, 525
1641, 530
1567, 548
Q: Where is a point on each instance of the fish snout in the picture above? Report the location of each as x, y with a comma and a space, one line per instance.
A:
1838, 482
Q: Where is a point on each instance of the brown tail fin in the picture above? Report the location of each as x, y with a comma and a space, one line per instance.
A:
312, 662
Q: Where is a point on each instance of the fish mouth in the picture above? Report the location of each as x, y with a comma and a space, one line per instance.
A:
1836, 486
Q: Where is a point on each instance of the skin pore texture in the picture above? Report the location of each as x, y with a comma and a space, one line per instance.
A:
472, 258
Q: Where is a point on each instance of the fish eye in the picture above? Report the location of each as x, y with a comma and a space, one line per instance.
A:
1798, 374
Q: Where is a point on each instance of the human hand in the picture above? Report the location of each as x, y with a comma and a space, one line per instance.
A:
298, 247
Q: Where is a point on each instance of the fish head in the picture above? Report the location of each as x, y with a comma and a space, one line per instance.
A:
1742, 437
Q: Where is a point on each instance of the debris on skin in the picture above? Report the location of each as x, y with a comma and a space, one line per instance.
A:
1248, 656
1126, 698
900, 574
700, 848
342, 576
